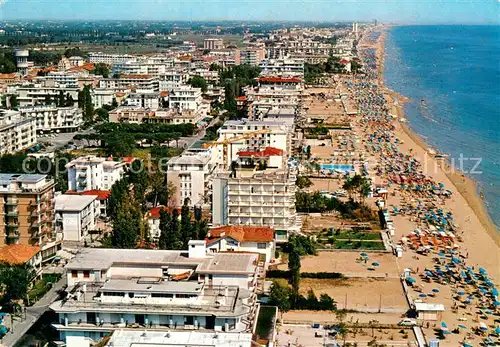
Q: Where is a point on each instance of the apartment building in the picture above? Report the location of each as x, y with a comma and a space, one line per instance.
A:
213, 43
149, 100
17, 133
154, 290
185, 98
51, 118
265, 198
110, 59
250, 56
139, 82
171, 80
174, 116
58, 78
37, 94
282, 67
93, 173
102, 96
191, 175
27, 206
130, 114
272, 134
76, 215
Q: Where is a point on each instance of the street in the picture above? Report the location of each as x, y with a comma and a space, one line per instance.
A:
32, 314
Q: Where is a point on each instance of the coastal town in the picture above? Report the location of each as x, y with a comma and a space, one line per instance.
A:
229, 185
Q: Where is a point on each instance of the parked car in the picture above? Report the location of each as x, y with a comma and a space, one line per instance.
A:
408, 322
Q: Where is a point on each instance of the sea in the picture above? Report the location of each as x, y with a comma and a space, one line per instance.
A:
452, 76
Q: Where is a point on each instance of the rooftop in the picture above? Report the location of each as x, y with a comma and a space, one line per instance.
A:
189, 160
17, 254
423, 306
6, 178
151, 286
131, 338
242, 233
267, 152
70, 202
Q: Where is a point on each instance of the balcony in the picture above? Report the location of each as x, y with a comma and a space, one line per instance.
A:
11, 201
13, 213
13, 225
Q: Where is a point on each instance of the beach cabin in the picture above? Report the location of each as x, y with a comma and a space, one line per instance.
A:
429, 312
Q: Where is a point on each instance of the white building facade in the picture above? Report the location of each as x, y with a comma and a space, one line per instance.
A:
93, 173
51, 118
76, 215
17, 133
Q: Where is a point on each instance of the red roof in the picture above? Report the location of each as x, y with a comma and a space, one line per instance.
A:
128, 159
344, 62
279, 79
17, 254
101, 194
241, 98
163, 93
267, 152
242, 233
154, 213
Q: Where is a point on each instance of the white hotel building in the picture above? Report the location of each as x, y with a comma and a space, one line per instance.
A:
156, 290
93, 173
259, 199
50, 118
76, 215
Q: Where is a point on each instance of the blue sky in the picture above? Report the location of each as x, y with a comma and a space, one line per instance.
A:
396, 11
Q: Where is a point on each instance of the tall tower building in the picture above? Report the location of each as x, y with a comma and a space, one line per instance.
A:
22, 61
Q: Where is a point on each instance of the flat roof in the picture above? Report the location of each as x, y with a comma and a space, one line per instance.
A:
150, 286
131, 338
229, 263
423, 306
104, 258
29, 178
67, 202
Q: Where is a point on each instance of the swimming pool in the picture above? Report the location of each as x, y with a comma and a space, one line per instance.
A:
339, 167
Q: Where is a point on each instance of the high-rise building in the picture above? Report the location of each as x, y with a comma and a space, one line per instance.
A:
213, 44
27, 206
22, 61
17, 133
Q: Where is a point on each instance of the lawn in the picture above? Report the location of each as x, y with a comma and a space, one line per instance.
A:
41, 287
360, 245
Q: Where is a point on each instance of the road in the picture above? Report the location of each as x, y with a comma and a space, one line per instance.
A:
187, 142
32, 314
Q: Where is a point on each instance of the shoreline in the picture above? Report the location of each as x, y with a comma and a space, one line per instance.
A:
464, 185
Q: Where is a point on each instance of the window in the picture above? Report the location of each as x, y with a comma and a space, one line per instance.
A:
113, 294
261, 245
86, 274
162, 295
74, 274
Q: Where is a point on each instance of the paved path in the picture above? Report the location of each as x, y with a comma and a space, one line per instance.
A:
32, 314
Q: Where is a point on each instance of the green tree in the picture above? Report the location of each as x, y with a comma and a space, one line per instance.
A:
15, 280
14, 103
186, 229
85, 103
47, 100
198, 82
166, 234
303, 182
69, 102
60, 100
74, 52
280, 295
120, 144
294, 268
102, 114
101, 69
125, 227
175, 237
308, 152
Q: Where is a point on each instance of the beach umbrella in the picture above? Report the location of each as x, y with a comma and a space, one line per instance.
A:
483, 326
461, 293
364, 254
444, 327
435, 290
461, 326
497, 330
482, 271
423, 295
410, 280
496, 303
375, 263
466, 345
494, 292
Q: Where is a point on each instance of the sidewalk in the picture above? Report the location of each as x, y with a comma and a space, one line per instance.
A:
32, 314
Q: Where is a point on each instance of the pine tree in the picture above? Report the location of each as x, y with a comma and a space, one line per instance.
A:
186, 228
175, 237
166, 234
294, 268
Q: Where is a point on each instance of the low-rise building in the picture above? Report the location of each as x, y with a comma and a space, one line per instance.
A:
93, 173
51, 118
130, 114
23, 255
242, 238
114, 289
17, 133
76, 215
110, 59
213, 43
186, 98
282, 67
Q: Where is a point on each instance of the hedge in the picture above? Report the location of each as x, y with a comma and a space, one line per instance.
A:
319, 275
